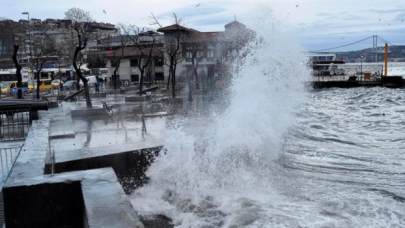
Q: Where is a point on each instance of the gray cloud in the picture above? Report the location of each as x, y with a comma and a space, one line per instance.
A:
323, 14
190, 11
400, 16
393, 10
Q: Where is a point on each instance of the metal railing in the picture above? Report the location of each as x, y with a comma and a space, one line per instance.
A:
7, 159
14, 124
8, 156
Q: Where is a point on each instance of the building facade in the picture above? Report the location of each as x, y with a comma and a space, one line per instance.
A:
201, 54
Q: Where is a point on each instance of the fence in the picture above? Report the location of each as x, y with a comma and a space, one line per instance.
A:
7, 159
14, 124
8, 156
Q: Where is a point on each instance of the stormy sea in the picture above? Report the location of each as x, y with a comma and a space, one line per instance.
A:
282, 154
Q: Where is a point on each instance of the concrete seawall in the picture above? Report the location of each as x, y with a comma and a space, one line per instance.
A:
87, 198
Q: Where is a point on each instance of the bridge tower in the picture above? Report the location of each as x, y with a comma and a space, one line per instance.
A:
375, 47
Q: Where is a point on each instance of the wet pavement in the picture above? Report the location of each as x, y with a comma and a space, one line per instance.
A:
122, 127
125, 130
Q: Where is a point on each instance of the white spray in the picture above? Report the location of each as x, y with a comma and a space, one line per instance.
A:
235, 152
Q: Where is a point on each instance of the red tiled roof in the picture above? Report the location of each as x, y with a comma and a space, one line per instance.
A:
175, 27
235, 23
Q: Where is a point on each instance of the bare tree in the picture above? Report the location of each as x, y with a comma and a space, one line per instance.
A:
124, 41
196, 52
81, 28
172, 47
41, 50
145, 44
66, 48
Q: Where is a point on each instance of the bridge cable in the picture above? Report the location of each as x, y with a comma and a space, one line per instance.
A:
343, 45
384, 40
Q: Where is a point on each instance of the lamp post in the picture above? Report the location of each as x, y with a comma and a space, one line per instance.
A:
60, 75
29, 46
361, 66
29, 29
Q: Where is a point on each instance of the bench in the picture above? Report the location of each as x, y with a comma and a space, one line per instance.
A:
108, 107
148, 89
72, 97
51, 103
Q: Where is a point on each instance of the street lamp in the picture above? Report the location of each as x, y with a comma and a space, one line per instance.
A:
361, 66
29, 46
60, 75
29, 30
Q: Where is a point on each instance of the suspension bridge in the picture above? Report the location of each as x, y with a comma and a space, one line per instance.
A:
375, 38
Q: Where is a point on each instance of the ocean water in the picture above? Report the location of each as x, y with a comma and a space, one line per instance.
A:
282, 154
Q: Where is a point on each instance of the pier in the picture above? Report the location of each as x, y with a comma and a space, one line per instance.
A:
344, 81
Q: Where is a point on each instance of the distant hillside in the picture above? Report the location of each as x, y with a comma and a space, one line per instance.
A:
395, 54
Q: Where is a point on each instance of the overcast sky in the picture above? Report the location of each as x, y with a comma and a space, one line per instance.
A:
321, 24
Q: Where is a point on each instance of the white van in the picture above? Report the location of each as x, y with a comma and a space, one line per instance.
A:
92, 80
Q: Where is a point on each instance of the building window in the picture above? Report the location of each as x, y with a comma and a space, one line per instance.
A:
134, 62
134, 77
113, 63
159, 61
210, 54
159, 77
189, 55
200, 54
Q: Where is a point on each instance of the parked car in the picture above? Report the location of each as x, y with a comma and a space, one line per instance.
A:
56, 83
44, 84
7, 86
69, 85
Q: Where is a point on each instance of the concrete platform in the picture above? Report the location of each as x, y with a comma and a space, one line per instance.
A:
116, 91
84, 111
101, 151
156, 114
61, 134
88, 198
137, 98
129, 162
91, 198
393, 81
94, 95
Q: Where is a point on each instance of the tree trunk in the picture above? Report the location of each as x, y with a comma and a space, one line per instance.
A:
18, 73
84, 80
190, 96
168, 79
174, 82
115, 80
195, 66
197, 83
141, 83
86, 88
115, 73
77, 83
